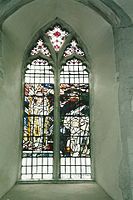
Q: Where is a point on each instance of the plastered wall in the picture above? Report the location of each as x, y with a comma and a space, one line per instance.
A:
9, 119
96, 33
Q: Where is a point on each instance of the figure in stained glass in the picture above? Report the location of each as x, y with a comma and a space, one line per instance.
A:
39, 119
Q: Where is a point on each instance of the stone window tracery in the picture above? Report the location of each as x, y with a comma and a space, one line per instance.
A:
56, 133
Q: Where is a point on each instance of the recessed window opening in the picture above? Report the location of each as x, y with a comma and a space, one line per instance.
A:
56, 123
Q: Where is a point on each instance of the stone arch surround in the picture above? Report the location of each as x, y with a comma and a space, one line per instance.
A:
119, 20
109, 10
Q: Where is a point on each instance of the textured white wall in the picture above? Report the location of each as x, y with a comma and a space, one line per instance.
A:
9, 117
18, 31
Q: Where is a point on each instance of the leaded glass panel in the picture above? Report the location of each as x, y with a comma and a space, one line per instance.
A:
37, 161
75, 129
40, 48
57, 37
73, 48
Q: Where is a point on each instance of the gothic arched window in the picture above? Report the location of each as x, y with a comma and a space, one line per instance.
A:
56, 132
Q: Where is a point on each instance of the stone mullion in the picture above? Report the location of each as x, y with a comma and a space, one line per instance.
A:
56, 164
124, 59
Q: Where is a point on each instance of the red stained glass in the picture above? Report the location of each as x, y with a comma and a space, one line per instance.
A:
40, 48
57, 34
57, 37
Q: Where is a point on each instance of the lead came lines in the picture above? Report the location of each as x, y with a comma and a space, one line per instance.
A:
39, 119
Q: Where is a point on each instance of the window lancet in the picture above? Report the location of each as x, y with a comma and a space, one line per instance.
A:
56, 130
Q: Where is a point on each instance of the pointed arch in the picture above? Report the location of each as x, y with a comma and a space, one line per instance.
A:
109, 10
40, 35
56, 114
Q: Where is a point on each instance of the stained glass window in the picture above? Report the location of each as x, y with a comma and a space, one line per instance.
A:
57, 37
40, 119
40, 48
75, 130
73, 48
